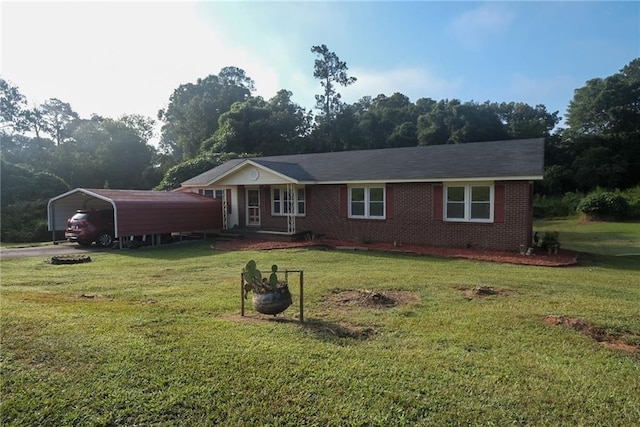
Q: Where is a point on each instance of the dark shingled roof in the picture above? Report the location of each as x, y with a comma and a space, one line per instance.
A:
512, 159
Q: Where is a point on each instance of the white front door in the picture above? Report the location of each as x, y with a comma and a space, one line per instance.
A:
253, 207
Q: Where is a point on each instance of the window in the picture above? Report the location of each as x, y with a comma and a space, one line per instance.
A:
469, 203
366, 202
284, 201
216, 194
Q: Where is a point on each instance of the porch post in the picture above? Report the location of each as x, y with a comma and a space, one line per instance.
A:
291, 215
224, 208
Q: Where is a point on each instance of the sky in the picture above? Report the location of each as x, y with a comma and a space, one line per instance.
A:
121, 57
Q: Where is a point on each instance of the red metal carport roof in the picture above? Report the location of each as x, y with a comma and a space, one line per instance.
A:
140, 212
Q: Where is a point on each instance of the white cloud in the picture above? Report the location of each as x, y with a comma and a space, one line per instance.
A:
474, 27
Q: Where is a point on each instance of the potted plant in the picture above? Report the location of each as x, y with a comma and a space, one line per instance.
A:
550, 242
270, 296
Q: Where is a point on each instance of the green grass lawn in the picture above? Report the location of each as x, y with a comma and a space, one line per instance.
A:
604, 238
154, 337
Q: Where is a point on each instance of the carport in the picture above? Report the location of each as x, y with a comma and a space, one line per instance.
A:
140, 212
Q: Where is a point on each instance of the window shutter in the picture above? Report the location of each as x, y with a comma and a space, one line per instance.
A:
389, 202
498, 202
437, 202
307, 199
267, 199
344, 201
228, 200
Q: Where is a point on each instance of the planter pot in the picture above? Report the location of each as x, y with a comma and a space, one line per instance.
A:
272, 302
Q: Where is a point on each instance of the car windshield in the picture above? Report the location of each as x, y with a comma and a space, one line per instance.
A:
79, 216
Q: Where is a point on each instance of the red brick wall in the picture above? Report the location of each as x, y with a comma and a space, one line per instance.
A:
411, 218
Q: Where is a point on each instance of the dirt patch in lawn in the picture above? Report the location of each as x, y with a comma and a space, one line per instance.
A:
365, 298
628, 341
327, 330
483, 291
562, 258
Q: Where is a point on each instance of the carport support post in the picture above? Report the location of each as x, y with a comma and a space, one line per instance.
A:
241, 295
301, 296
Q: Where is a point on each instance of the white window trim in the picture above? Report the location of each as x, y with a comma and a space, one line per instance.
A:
467, 202
367, 192
203, 192
283, 189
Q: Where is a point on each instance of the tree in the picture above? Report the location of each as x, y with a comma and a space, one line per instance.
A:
524, 121
142, 125
277, 126
194, 109
609, 106
244, 128
452, 122
604, 130
57, 117
192, 167
12, 109
389, 122
330, 71
104, 150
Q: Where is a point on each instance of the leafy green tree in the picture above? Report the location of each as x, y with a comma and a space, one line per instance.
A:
609, 106
142, 125
194, 109
191, 168
56, 119
105, 150
257, 126
13, 106
603, 138
25, 192
292, 124
452, 122
21, 149
524, 121
20, 182
389, 122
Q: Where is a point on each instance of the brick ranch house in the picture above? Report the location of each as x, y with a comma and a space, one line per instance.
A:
460, 195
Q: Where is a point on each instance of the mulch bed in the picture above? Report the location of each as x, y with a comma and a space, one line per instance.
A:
562, 258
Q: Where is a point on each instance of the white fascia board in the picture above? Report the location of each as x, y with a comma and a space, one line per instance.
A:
79, 190
250, 162
399, 181
83, 191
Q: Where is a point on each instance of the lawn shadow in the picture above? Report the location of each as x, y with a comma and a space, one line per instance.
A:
337, 332
626, 263
607, 243
340, 333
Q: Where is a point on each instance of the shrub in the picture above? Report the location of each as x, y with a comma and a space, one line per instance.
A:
549, 240
554, 206
632, 195
25, 222
604, 206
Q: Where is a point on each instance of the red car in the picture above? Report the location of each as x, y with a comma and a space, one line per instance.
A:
88, 226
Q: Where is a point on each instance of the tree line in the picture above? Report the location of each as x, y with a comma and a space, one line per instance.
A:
218, 117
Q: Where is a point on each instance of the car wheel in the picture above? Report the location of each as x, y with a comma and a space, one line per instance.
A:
104, 240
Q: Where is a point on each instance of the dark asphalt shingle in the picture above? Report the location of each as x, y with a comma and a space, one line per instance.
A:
496, 159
